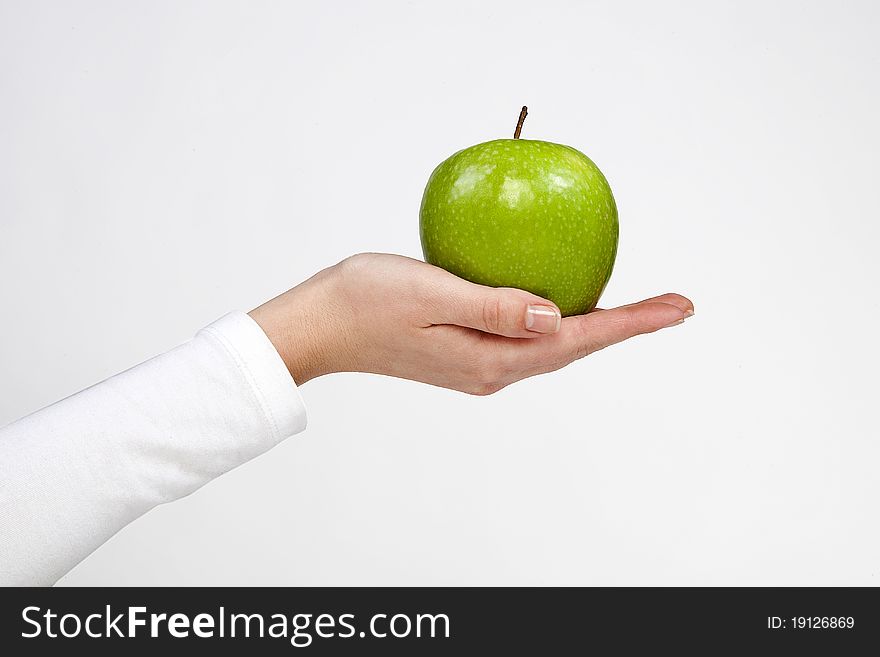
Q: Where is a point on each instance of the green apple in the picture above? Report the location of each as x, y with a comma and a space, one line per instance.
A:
521, 213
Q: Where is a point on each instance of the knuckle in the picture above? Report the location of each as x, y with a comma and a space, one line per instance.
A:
506, 363
471, 368
485, 372
626, 323
493, 313
490, 375
489, 370
353, 262
583, 349
586, 343
360, 264
351, 269
493, 364
485, 389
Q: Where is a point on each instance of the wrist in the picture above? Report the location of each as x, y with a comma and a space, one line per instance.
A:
302, 328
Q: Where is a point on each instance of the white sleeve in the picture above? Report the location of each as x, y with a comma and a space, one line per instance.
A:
76, 472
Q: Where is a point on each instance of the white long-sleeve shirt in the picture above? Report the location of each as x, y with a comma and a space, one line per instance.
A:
76, 472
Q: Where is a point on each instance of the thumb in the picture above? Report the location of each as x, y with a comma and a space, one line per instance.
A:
503, 311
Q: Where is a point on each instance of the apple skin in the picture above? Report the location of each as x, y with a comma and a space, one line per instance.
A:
523, 213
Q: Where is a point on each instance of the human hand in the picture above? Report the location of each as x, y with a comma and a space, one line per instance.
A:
388, 314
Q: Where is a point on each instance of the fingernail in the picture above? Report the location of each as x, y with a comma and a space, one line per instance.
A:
688, 313
675, 323
543, 319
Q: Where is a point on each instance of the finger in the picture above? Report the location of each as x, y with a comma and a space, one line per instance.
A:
502, 311
677, 300
582, 335
585, 334
683, 303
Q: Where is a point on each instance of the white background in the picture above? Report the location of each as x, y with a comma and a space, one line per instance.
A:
164, 162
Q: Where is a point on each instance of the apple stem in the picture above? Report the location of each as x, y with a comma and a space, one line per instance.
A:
522, 117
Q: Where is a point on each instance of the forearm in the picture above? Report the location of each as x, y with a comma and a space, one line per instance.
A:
75, 473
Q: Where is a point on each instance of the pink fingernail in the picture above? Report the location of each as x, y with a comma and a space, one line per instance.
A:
675, 323
543, 319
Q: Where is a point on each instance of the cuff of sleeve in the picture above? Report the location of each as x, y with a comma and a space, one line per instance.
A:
264, 370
